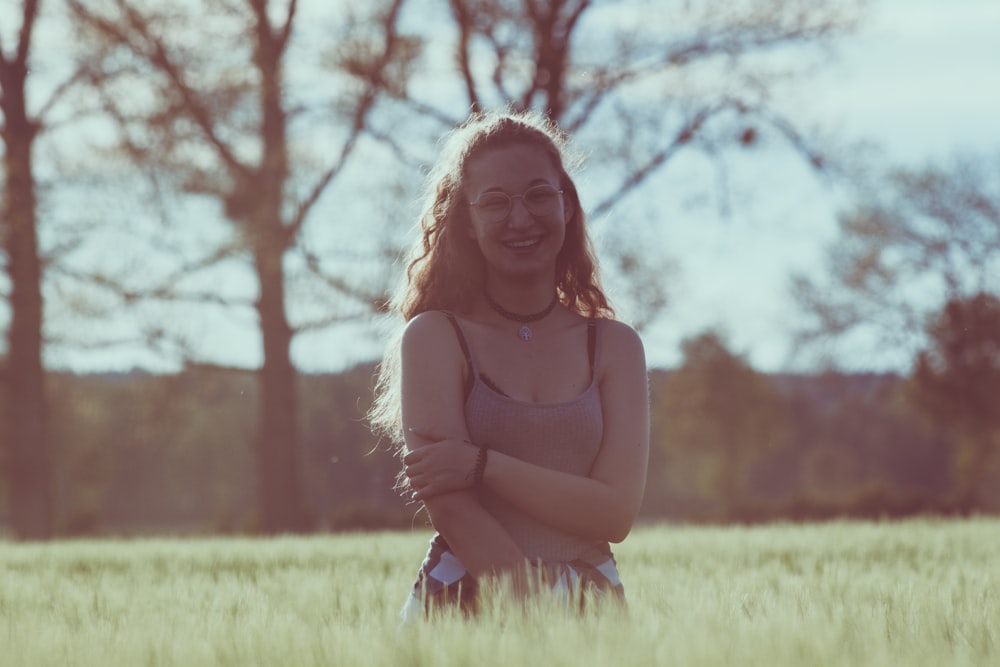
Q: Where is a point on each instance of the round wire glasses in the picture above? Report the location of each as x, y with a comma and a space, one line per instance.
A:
495, 206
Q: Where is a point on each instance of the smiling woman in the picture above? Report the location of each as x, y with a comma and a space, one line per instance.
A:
519, 404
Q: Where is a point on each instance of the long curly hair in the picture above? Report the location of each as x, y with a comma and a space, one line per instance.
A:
446, 269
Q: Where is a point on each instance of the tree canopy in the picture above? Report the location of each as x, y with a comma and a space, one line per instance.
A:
910, 242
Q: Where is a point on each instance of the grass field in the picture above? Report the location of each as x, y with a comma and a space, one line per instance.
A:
913, 593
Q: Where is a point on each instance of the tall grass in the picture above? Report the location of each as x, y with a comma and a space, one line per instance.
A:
912, 593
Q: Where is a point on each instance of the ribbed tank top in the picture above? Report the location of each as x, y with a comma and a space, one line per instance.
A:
564, 436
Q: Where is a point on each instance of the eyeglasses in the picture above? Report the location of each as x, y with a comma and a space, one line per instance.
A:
538, 199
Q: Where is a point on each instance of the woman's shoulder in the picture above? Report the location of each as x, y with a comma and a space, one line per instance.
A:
426, 325
618, 331
429, 332
429, 319
431, 351
619, 340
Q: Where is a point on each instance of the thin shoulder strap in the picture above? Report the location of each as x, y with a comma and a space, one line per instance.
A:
469, 362
592, 343
460, 335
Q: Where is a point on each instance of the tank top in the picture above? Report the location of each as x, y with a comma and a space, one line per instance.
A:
564, 436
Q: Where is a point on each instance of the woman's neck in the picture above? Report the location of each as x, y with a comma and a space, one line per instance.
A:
528, 297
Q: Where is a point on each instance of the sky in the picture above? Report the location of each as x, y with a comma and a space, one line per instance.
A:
921, 80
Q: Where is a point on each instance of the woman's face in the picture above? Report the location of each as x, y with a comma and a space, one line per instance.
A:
518, 215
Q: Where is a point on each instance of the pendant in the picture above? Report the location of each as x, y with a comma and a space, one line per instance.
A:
524, 333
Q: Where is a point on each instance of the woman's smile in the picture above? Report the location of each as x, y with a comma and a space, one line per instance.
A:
517, 213
523, 244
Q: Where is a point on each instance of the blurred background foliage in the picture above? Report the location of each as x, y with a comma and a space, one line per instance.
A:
185, 167
140, 453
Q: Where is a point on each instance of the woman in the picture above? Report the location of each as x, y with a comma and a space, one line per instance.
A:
521, 401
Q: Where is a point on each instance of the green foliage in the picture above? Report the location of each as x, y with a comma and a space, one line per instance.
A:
716, 410
733, 444
956, 383
916, 593
136, 451
958, 378
167, 454
860, 451
140, 453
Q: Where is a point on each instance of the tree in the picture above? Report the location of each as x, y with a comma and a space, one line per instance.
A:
910, 242
202, 97
199, 97
957, 380
636, 83
24, 454
26, 462
717, 407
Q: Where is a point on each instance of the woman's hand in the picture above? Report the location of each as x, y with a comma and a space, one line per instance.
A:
444, 466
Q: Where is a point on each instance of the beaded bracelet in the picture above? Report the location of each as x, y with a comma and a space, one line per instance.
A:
477, 472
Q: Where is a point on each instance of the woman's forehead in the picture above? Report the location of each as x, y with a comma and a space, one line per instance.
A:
515, 165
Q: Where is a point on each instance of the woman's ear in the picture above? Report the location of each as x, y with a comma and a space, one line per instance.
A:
569, 209
570, 198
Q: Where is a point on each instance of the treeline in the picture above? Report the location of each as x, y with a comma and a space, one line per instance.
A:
140, 453
247, 167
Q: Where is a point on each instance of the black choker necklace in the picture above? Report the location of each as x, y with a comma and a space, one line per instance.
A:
524, 333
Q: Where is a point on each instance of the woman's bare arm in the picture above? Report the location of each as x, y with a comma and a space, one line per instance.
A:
603, 504
432, 371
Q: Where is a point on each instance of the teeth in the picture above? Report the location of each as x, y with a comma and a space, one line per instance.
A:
521, 244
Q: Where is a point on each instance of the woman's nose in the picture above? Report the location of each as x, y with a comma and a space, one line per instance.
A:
519, 215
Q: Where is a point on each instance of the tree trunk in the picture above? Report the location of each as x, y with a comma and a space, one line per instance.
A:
27, 463
278, 501
278, 493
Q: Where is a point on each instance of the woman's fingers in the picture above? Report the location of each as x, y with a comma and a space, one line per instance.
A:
411, 471
438, 467
417, 475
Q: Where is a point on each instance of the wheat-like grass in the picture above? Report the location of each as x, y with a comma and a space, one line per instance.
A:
912, 593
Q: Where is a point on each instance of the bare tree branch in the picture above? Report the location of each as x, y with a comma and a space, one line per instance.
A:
375, 85
29, 15
286, 29
910, 242
60, 250
160, 58
164, 292
442, 117
331, 320
636, 177
78, 76
500, 50
463, 19
403, 154
338, 284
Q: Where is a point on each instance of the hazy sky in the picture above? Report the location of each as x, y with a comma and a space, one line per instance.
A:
922, 79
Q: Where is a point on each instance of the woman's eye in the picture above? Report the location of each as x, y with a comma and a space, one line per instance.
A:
494, 202
539, 197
